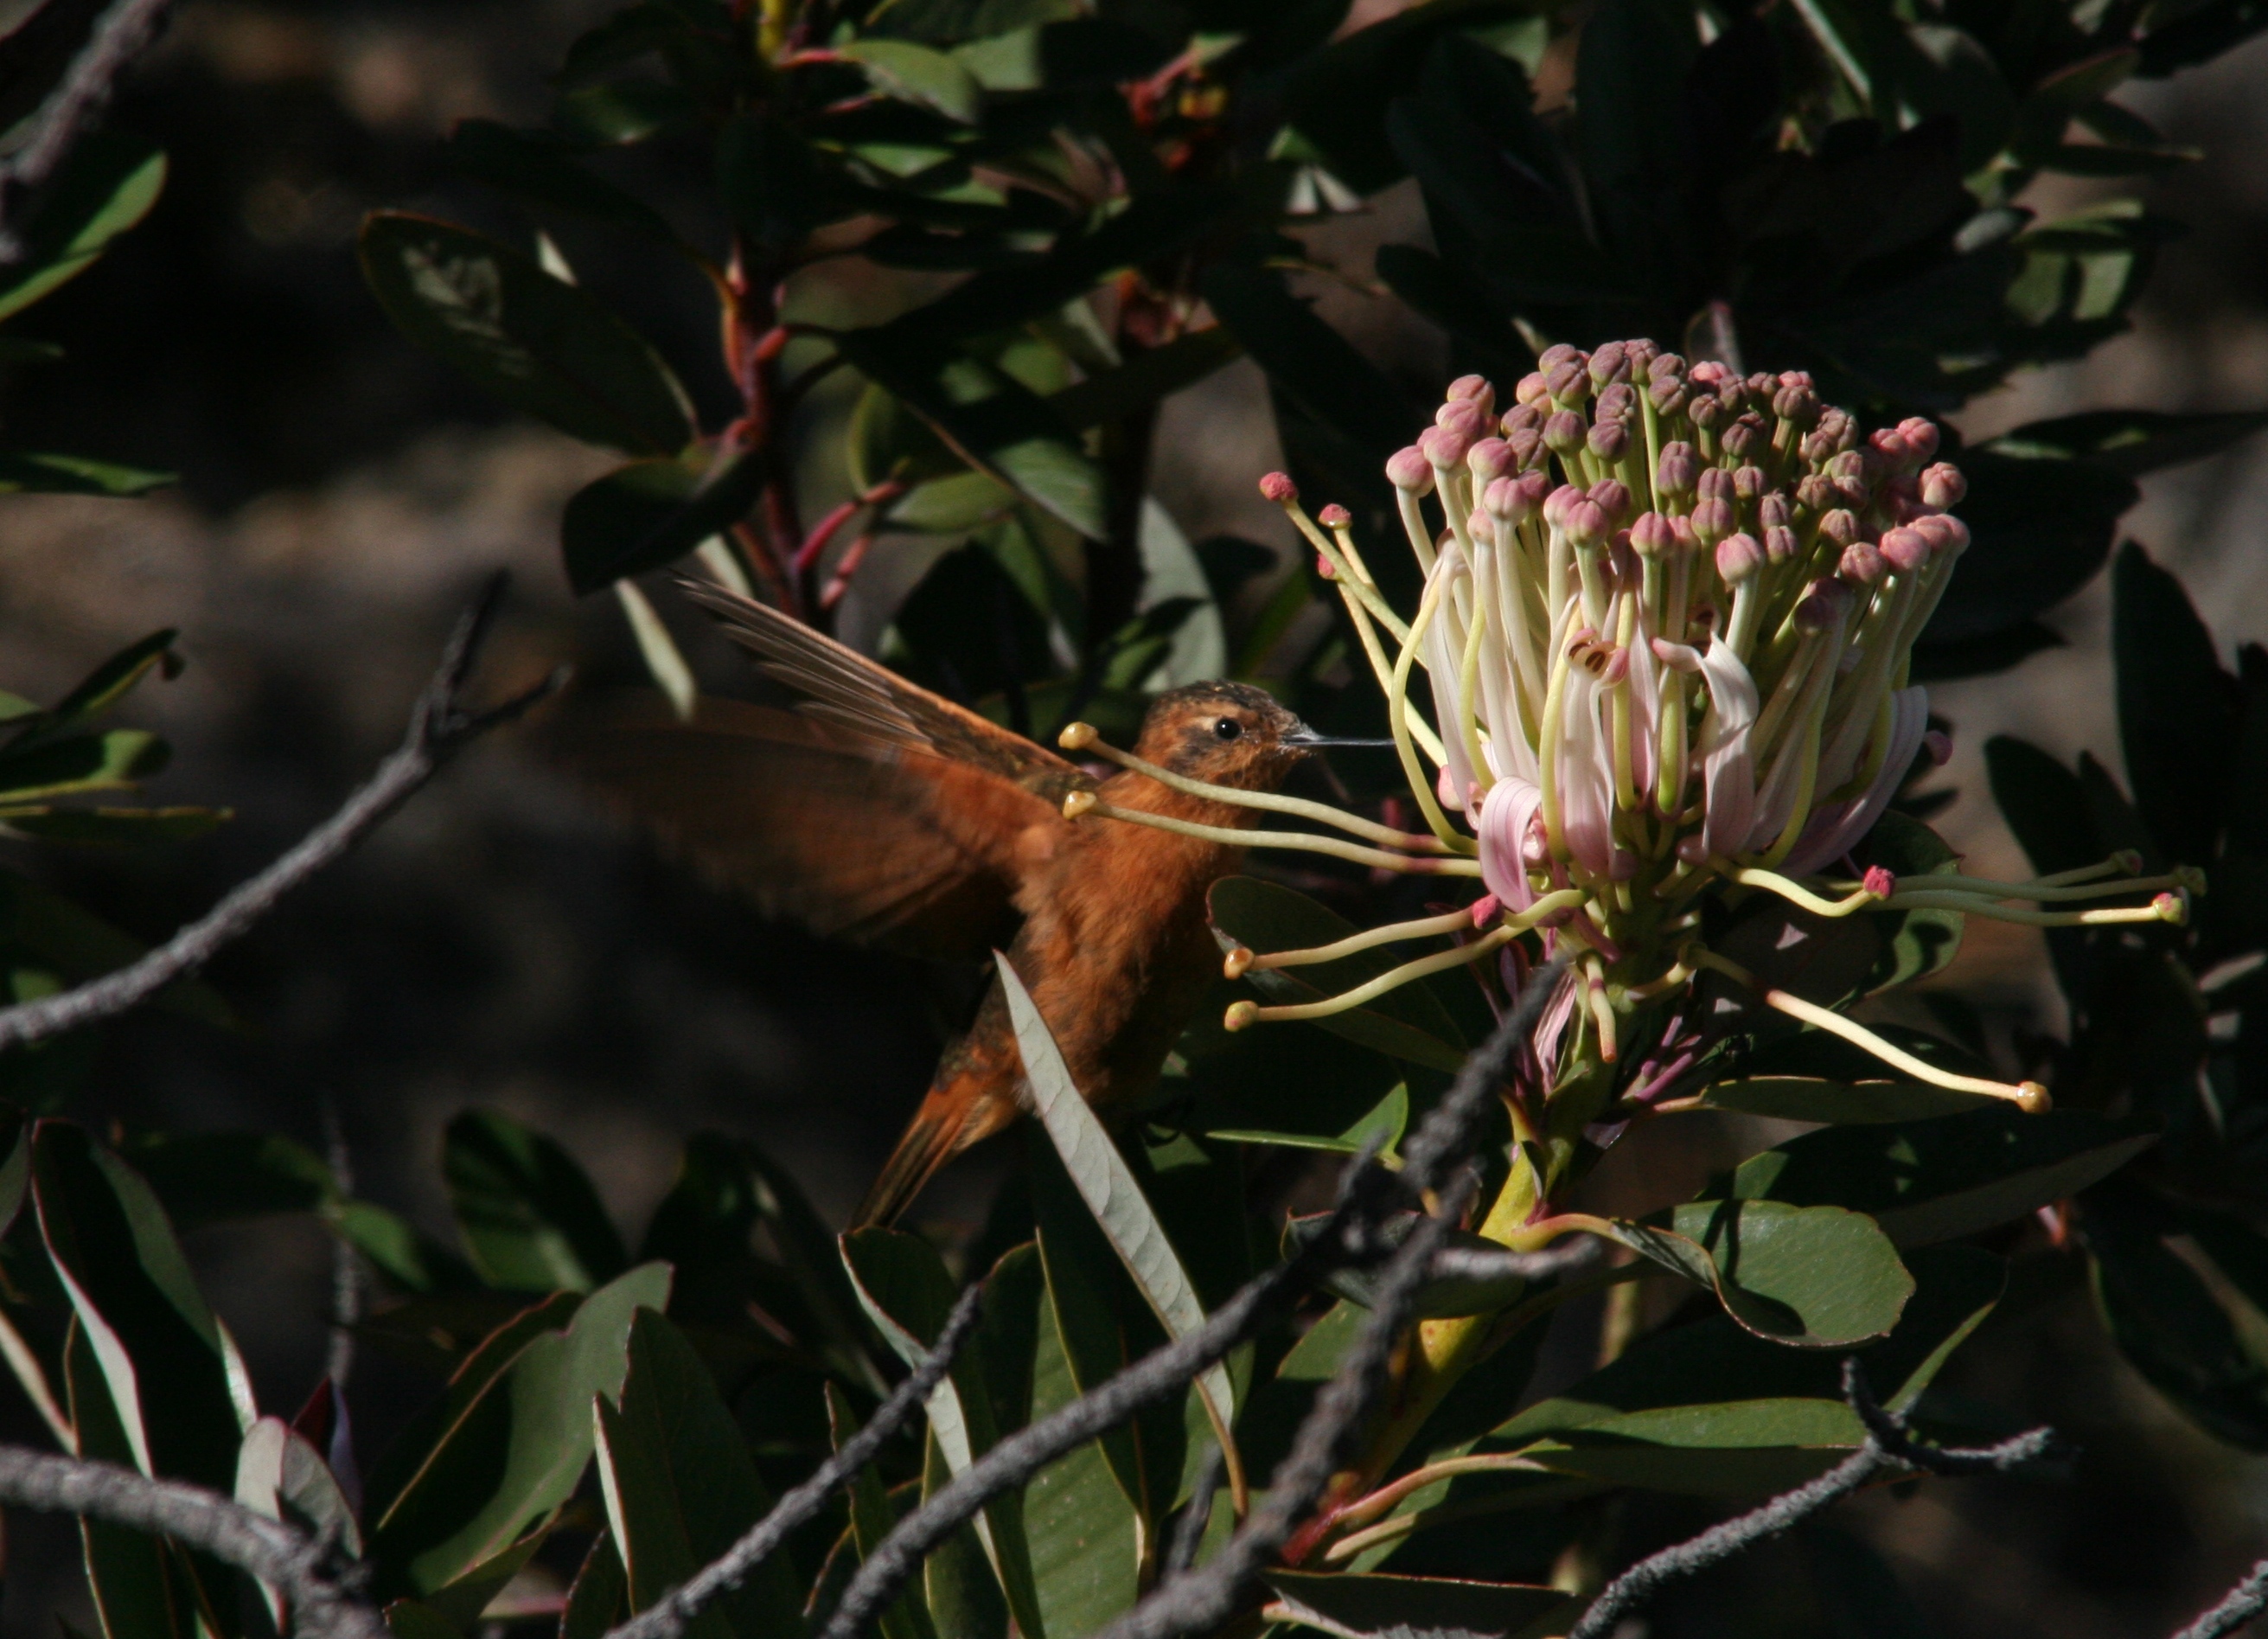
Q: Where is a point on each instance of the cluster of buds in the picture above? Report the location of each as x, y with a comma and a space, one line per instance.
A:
1667, 627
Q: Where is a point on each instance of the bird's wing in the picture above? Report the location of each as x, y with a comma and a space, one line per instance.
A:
849, 691
883, 845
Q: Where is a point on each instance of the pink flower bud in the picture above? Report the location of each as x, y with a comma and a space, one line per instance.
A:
1484, 910
1708, 373
1478, 389
1568, 383
1680, 531
1335, 517
1557, 503
1823, 605
1524, 443
1651, 536
1692, 850
1558, 353
1861, 563
1531, 389
1613, 497
1610, 362
1409, 469
1480, 526
1716, 484
1796, 404
1705, 410
1461, 415
1507, 502
1951, 534
1839, 527
1534, 485
1904, 549
1584, 522
1796, 378
1444, 447
1667, 392
1815, 494
1943, 486
1323, 567
1617, 402
1781, 543
1920, 435
1489, 459
1678, 469
1713, 520
1891, 445
1738, 557
1880, 883
1564, 433
1746, 436
1641, 354
1773, 512
1609, 439
1749, 485
1519, 416
1278, 488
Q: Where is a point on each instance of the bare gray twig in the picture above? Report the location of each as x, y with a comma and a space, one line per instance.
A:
1890, 1447
2245, 1601
1472, 1264
120, 35
324, 1603
676, 1613
438, 725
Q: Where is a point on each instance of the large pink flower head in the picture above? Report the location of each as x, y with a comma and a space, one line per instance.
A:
1695, 651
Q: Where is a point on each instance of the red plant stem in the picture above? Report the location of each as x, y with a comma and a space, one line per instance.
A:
839, 582
806, 556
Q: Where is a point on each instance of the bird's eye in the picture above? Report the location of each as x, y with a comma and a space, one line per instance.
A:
1228, 728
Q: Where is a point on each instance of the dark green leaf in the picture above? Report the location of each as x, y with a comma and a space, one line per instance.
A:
901, 68
134, 1579
599, 1596
81, 945
28, 472
1806, 1099
106, 185
58, 767
986, 416
404, 1254
1916, 943
1815, 1276
113, 827
873, 1517
2132, 442
2043, 804
182, 1397
771, 181
1146, 378
1408, 1022
681, 1487
528, 1214
540, 167
2040, 528
107, 685
2176, 708
218, 1178
1435, 289
1930, 1181
616, 112
1308, 359
408, 1619
1372, 1607
511, 1439
651, 514
1085, 1537
537, 344
1631, 132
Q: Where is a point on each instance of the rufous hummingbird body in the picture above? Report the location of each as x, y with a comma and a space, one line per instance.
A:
881, 812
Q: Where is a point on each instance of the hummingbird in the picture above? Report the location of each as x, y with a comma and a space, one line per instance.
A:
879, 812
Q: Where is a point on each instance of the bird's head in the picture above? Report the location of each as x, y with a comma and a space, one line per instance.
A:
1228, 734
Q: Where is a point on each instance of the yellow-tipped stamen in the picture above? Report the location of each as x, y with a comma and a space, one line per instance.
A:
1398, 718
2122, 862
1420, 866
1080, 804
1673, 979
1243, 1012
2187, 879
2165, 907
1787, 888
1370, 938
1237, 962
1382, 669
1603, 1012
1084, 737
1358, 583
2029, 1096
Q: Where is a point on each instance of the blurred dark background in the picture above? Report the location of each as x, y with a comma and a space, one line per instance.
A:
502, 943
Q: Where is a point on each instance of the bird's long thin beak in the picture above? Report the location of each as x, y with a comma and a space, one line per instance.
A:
1307, 740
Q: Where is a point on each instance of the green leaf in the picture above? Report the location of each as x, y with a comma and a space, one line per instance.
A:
1409, 1024
1372, 1607
2131, 441
113, 827
1817, 1277
540, 167
105, 686
2040, 527
1085, 1538
106, 185
898, 68
1916, 943
278, 1474
75, 764
1145, 376
1808, 1098
903, 1286
651, 514
1308, 359
618, 113
540, 345
681, 1488
29, 472
509, 1441
598, 1599
1654, 1415
529, 1215
219, 1178
133, 1579
1931, 1181
408, 1619
182, 1396
2176, 708
872, 1518
987, 418
403, 1253
1434, 289
1634, 140
81, 945
1108, 1184
2043, 804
